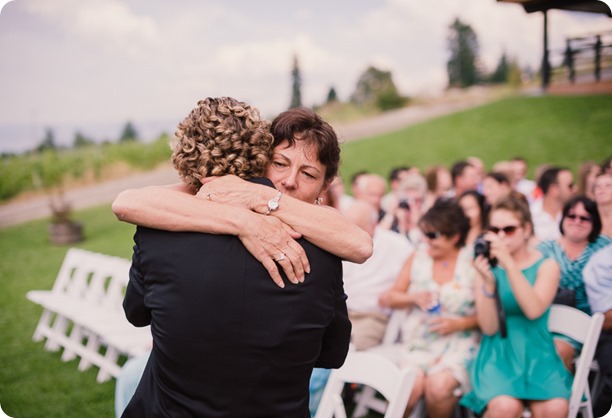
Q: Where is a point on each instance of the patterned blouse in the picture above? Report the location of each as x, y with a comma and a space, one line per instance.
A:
571, 270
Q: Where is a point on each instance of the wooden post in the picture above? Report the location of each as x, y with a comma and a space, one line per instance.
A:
545, 62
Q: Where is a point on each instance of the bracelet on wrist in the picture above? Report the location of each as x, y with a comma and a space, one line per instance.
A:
486, 292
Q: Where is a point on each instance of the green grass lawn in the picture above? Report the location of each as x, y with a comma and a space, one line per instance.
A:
36, 383
561, 130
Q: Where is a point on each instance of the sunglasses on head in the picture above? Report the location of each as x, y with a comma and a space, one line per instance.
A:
432, 234
573, 217
508, 230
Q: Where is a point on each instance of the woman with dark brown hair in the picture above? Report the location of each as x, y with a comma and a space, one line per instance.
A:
580, 238
517, 364
439, 335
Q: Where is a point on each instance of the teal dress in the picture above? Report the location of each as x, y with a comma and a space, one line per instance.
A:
525, 364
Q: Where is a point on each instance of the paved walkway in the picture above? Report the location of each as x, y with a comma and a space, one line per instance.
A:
20, 211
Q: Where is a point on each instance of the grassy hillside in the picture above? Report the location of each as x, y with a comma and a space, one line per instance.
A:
559, 130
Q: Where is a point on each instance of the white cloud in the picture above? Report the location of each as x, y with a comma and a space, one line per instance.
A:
109, 23
104, 60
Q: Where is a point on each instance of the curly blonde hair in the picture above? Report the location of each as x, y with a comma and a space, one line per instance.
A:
221, 136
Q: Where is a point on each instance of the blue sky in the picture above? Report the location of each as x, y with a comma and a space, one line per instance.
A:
92, 65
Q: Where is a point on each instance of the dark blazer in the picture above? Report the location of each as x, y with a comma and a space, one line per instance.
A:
227, 342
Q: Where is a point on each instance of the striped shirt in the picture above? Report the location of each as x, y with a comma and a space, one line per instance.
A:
571, 270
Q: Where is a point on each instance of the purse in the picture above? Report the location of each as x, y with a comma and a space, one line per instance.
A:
565, 296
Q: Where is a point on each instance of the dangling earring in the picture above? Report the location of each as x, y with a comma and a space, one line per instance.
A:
318, 201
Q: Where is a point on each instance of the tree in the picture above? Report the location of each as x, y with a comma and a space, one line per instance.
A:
296, 90
502, 72
48, 142
464, 49
129, 133
332, 96
376, 88
81, 141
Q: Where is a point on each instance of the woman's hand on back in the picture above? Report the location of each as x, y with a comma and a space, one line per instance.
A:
273, 243
233, 190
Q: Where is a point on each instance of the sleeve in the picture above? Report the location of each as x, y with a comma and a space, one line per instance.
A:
545, 248
134, 302
337, 337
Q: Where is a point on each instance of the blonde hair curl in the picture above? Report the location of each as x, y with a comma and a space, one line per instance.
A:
221, 136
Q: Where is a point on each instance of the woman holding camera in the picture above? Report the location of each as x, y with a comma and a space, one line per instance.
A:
519, 367
439, 335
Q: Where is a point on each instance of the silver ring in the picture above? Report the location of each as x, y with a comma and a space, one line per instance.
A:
281, 257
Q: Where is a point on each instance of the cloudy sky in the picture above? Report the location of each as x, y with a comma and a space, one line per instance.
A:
92, 65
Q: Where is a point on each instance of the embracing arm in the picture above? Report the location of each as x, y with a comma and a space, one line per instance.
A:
174, 208
323, 226
326, 228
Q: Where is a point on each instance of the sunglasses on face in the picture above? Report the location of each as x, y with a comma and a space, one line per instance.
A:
573, 217
508, 230
432, 234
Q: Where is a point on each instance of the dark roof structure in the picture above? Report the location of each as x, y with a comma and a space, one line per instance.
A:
591, 6
530, 6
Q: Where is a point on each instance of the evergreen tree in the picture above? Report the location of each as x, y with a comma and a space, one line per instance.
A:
81, 141
464, 49
296, 88
48, 142
129, 133
331, 95
502, 72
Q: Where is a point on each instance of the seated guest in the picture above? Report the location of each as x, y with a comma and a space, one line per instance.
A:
495, 187
598, 281
439, 335
557, 186
439, 184
517, 363
603, 198
406, 208
364, 282
476, 209
587, 173
580, 238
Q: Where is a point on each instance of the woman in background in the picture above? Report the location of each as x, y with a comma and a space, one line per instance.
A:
439, 335
476, 209
521, 368
587, 173
603, 198
580, 237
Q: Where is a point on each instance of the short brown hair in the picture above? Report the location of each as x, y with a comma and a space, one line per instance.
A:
302, 124
221, 136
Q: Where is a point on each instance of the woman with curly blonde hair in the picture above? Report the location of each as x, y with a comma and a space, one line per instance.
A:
221, 136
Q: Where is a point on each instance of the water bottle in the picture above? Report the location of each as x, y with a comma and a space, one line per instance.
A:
434, 310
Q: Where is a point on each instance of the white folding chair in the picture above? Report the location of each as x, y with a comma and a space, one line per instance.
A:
585, 329
366, 398
369, 369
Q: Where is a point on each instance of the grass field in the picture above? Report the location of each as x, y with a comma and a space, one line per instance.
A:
562, 130
35, 383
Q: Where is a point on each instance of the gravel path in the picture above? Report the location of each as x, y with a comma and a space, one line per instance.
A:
24, 210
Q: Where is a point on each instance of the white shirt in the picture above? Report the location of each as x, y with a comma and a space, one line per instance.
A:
598, 280
526, 187
545, 226
363, 283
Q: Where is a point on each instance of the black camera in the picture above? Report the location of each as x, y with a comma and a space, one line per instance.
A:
483, 248
403, 204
